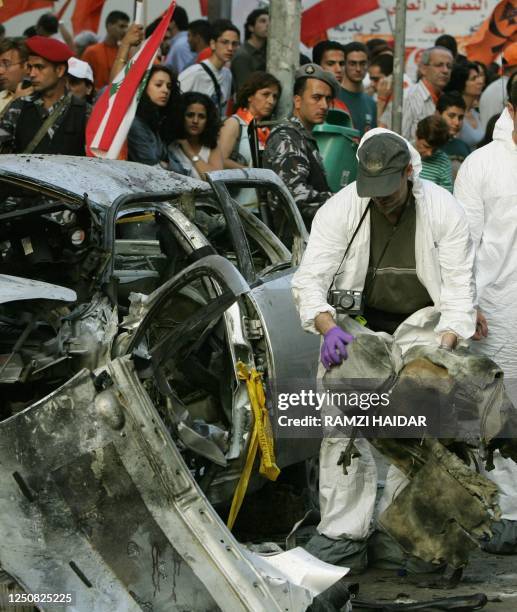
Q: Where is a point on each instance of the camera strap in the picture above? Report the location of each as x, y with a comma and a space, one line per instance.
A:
363, 216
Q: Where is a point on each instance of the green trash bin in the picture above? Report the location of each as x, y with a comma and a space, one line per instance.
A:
337, 142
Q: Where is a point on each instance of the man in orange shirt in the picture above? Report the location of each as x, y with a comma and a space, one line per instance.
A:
102, 55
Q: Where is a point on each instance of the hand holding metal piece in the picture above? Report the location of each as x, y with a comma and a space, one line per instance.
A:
333, 349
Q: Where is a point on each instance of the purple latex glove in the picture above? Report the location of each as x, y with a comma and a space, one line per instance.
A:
333, 349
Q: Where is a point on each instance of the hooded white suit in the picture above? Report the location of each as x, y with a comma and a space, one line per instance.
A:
486, 186
444, 262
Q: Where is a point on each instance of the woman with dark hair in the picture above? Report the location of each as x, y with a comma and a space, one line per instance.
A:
484, 73
256, 100
468, 79
145, 144
195, 143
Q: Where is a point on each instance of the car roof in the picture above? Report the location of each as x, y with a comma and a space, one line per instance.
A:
102, 180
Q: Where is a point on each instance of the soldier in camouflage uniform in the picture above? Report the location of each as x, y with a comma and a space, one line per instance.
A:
51, 119
291, 149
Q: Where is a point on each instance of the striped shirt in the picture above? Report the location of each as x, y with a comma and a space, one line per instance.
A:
418, 103
438, 168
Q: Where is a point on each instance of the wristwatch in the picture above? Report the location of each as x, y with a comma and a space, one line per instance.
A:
196, 158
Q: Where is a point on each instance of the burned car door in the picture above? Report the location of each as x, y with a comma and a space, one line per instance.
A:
287, 353
152, 241
186, 349
97, 502
207, 380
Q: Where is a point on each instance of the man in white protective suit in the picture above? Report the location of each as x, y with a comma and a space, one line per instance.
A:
486, 186
404, 243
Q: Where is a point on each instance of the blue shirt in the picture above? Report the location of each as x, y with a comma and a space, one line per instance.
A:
180, 55
362, 107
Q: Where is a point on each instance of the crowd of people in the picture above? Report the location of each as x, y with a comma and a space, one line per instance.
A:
193, 116
50, 79
207, 105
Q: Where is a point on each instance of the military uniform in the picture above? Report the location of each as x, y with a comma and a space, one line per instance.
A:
22, 125
292, 152
25, 116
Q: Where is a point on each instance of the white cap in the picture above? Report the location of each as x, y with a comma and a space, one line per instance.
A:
80, 69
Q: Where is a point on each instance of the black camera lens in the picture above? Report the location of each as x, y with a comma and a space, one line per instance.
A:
346, 301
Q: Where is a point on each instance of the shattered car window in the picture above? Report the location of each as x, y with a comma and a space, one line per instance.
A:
268, 205
55, 244
266, 249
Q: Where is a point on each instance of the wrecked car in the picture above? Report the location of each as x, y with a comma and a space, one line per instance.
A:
114, 233
135, 294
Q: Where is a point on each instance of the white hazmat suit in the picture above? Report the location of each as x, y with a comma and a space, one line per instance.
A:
444, 261
486, 186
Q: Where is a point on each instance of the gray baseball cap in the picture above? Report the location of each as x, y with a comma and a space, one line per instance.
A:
313, 71
382, 160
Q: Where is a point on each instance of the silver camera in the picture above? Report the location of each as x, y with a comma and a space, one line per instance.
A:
346, 301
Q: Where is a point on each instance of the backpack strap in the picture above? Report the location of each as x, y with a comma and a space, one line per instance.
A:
235, 155
217, 87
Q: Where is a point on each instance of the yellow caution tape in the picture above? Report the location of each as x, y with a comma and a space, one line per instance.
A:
261, 437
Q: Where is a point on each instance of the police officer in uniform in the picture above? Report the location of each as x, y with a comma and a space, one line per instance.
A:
51, 120
291, 149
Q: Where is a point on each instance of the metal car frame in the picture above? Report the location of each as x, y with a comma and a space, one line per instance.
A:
97, 499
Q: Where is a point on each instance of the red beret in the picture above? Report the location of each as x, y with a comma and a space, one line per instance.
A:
49, 48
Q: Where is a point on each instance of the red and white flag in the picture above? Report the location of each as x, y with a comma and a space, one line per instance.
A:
115, 110
11, 8
327, 14
86, 15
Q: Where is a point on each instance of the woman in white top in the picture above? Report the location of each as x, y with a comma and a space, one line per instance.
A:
256, 99
195, 144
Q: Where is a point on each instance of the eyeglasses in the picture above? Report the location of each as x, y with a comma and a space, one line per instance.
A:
6, 64
375, 79
442, 65
229, 43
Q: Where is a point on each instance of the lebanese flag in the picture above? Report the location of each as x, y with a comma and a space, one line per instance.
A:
86, 15
494, 34
327, 14
11, 8
115, 110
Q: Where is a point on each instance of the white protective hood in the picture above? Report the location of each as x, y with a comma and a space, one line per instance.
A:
416, 160
503, 131
443, 251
